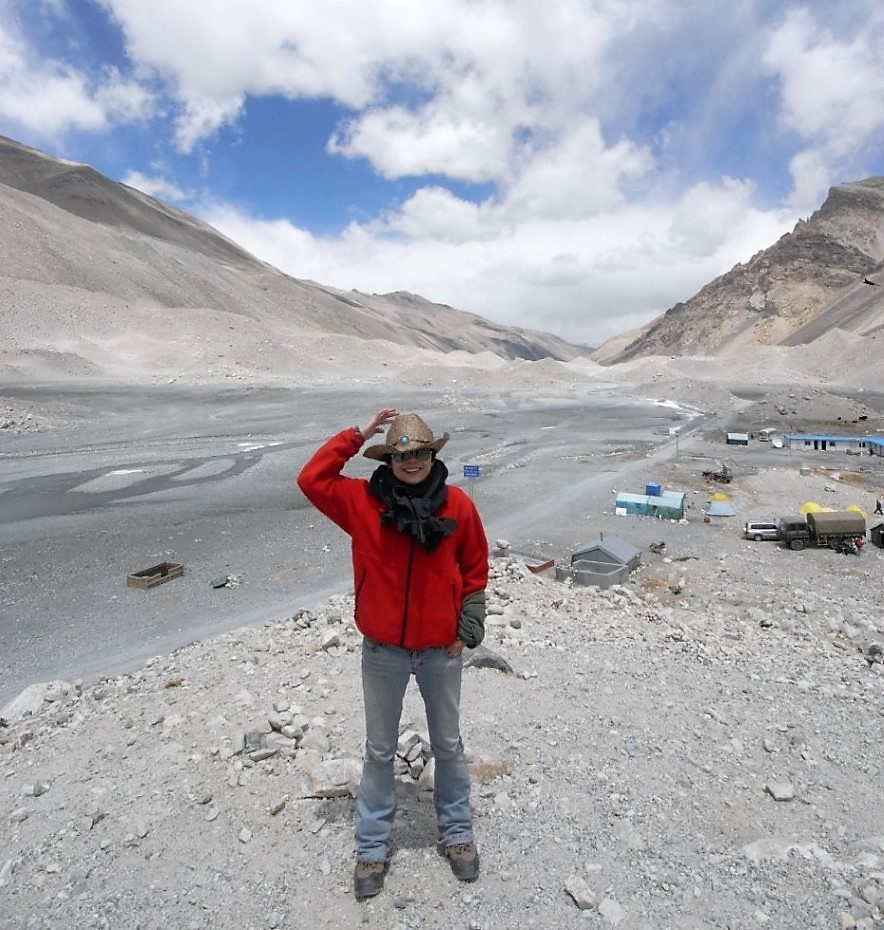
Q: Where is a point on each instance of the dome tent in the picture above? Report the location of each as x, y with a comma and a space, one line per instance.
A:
720, 509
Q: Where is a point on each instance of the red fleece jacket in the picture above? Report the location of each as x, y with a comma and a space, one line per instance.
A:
405, 596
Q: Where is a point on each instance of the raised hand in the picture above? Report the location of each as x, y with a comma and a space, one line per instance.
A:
377, 423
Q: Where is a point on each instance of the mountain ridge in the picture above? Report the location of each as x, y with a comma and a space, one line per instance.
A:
786, 294
99, 280
78, 247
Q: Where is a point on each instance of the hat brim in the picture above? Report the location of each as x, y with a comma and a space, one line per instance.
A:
381, 450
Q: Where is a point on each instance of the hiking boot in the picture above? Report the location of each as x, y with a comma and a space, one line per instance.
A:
463, 859
368, 879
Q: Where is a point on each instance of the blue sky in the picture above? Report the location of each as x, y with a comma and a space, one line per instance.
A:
577, 166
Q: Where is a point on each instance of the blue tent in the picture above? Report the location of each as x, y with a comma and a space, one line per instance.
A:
720, 509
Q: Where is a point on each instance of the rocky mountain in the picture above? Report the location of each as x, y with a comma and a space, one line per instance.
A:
90, 267
828, 273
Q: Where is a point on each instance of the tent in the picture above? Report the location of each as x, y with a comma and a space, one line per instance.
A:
720, 509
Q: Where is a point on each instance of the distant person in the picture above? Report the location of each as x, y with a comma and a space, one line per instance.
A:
878, 506
420, 561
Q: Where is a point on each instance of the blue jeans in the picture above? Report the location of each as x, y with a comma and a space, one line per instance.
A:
385, 674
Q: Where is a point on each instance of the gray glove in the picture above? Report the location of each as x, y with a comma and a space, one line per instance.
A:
471, 628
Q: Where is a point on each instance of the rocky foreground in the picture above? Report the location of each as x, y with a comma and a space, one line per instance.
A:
673, 753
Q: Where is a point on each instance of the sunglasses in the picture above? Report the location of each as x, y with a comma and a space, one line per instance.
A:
422, 455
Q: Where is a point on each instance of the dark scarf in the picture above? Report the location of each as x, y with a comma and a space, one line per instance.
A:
412, 508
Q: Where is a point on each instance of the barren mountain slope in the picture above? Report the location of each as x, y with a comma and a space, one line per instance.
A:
783, 295
89, 267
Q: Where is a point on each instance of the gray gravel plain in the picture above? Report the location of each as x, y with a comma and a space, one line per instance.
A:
113, 481
699, 748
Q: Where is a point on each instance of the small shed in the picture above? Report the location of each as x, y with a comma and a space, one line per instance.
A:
738, 439
609, 549
603, 562
876, 533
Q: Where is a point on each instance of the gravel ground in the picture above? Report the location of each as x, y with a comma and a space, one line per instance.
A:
700, 747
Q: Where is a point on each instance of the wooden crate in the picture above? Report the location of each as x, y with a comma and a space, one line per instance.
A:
156, 574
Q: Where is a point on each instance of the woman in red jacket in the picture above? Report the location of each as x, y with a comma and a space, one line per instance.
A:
420, 566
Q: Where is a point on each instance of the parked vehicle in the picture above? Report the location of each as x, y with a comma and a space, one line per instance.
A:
723, 475
760, 529
826, 528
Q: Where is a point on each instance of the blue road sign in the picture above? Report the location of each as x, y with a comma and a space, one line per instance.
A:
471, 471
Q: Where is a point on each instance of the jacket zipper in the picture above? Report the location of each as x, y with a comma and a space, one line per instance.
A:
407, 594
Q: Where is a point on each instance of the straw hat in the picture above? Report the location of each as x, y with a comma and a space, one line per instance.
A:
407, 431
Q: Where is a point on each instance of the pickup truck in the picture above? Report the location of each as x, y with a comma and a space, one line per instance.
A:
834, 529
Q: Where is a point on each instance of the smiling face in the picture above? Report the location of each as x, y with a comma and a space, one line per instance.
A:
412, 467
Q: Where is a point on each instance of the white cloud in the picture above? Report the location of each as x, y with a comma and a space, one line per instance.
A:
811, 172
484, 91
49, 97
832, 93
158, 187
577, 176
587, 278
435, 214
400, 143
475, 74
121, 100
706, 216
832, 89
201, 116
